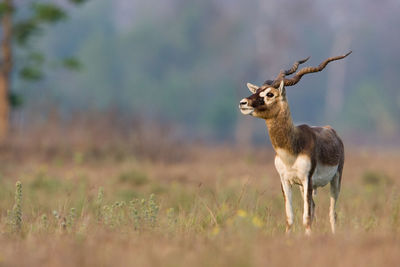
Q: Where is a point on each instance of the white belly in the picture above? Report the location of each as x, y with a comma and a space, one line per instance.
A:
295, 170
323, 174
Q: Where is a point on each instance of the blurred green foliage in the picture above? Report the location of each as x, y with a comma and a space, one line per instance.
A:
188, 64
30, 21
48, 12
171, 71
368, 107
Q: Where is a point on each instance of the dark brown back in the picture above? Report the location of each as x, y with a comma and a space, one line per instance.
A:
329, 147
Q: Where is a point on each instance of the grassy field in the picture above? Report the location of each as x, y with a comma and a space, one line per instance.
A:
197, 207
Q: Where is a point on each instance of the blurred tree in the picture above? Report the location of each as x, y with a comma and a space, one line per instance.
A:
187, 62
19, 24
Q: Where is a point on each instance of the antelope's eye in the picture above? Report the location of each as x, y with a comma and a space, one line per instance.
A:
270, 95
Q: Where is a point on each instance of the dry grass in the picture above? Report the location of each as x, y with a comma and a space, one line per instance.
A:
212, 207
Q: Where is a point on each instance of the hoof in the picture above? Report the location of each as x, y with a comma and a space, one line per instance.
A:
288, 230
308, 231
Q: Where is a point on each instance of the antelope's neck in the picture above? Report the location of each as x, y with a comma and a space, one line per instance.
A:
282, 132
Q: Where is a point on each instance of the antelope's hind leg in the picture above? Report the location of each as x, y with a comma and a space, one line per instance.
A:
308, 212
335, 189
314, 193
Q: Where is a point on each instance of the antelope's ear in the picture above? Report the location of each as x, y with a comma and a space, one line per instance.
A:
281, 89
253, 88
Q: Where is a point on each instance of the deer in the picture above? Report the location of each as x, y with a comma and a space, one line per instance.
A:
307, 156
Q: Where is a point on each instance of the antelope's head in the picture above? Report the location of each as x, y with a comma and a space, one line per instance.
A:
267, 100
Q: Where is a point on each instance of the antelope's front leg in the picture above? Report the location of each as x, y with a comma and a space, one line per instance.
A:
308, 205
287, 195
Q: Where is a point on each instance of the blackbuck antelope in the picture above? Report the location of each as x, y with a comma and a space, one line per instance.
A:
310, 157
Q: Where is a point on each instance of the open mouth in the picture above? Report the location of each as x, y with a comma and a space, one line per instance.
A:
246, 110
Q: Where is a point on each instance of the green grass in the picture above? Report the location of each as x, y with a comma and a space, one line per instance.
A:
218, 215
205, 210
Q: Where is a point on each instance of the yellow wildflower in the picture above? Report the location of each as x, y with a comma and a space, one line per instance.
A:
215, 230
257, 222
241, 213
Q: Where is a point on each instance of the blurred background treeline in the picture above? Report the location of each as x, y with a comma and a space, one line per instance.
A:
183, 65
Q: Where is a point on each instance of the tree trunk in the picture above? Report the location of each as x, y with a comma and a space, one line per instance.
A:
5, 70
4, 108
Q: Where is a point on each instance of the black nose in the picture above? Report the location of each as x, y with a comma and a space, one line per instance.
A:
243, 103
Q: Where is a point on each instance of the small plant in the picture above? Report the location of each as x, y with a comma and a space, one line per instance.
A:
114, 215
15, 215
44, 222
153, 209
100, 196
171, 216
70, 220
134, 213
144, 213
62, 220
118, 209
56, 215
370, 223
141, 213
107, 214
99, 203
395, 218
